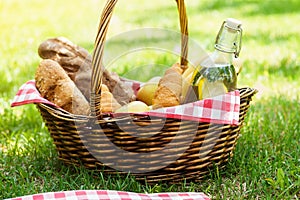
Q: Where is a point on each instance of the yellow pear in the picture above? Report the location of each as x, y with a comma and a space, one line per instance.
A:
134, 107
147, 90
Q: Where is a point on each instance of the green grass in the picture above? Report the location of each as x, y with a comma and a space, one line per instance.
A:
266, 164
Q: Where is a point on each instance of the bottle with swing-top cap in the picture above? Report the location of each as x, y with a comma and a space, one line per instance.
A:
216, 75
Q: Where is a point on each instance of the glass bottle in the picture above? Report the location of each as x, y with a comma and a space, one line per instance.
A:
216, 75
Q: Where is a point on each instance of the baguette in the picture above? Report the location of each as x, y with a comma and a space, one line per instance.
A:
55, 85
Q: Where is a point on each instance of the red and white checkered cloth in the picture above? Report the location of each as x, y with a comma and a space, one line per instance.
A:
223, 109
113, 195
29, 94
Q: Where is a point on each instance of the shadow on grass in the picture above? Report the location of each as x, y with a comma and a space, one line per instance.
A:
248, 7
288, 68
257, 7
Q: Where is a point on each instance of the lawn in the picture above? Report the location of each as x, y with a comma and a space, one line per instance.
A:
266, 164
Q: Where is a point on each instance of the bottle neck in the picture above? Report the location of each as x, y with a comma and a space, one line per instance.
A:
227, 45
220, 58
227, 41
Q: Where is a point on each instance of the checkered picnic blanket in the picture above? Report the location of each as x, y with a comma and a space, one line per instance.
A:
223, 109
113, 195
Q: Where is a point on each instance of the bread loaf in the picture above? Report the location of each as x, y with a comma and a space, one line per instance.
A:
56, 86
77, 62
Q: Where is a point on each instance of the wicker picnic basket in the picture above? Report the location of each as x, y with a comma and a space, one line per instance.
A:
150, 148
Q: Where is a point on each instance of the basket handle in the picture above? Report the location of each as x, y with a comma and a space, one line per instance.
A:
97, 68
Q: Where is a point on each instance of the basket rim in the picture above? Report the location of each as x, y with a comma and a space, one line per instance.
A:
245, 92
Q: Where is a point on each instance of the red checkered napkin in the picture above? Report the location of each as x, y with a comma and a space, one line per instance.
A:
113, 195
29, 94
223, 109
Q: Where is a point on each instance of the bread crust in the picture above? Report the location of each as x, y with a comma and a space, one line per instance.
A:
55, 85
108, 103
77, 62
169, 88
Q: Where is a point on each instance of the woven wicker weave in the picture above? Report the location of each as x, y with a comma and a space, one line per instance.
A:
192, 147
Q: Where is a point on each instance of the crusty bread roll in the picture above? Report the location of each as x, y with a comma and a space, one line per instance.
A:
169, 88
108, 103
56, 86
